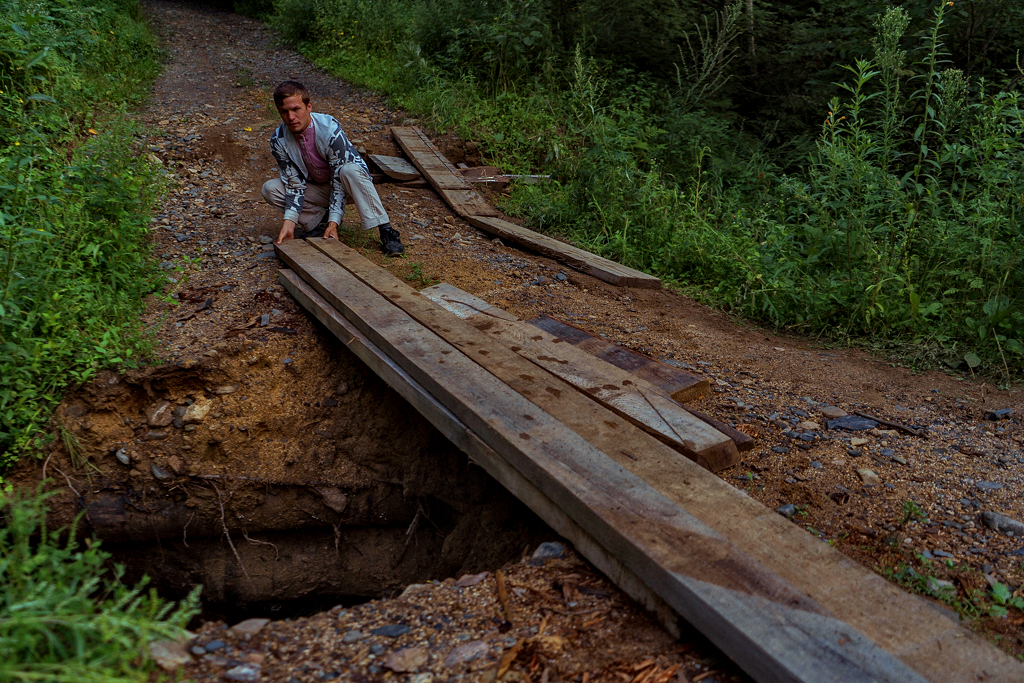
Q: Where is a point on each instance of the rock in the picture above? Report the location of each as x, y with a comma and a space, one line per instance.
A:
122, 456
406, 660
780, 449
249, 627
852, 423
168, 654
468, 580
177, 465
197, 650
787, 510
854, 453
817, 465
941, 553
245, 673
466, 653
391, 630
414, 588
868, 477
833, 413
422, 678
333, 498
225, 389
808, 425
155, 435
939, 585
266, 239
160, 414
160, 473
887, 452
551, 550
214, 645
560, 277
1000, 522
198, 411
988, 485
353, 637
857, 441
997, 415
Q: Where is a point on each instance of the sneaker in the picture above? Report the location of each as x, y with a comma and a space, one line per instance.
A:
390, 240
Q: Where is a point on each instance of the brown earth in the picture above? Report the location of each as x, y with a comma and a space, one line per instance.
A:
281, 469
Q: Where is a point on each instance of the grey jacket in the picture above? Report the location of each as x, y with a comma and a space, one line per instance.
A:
333, 146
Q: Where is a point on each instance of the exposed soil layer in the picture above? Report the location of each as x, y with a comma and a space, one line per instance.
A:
298, 474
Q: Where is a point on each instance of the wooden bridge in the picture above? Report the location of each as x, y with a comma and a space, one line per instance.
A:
609, 457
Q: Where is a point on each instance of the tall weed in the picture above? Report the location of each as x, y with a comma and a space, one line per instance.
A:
63, 616
75, 195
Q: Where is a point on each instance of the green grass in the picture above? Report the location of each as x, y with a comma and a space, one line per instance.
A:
76, 191
63, 615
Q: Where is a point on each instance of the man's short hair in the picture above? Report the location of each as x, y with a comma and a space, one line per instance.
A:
290, 89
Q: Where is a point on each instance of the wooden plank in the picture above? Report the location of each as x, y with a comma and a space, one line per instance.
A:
903, 624
479, 452
395, 167
468, 203
643, 404
426, 157
462, 303
574, 257
765, 626
681, 385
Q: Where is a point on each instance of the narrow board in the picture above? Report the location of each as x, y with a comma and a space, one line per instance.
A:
479, 452
574, 257
395, 167
765, 626
681, 385
643, 404
467, 202
445, 178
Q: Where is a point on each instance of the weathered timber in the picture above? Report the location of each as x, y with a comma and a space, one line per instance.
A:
458, 193
395, 167
681, 385
439, 172
643, 404
574, 257
479, 452
762, 624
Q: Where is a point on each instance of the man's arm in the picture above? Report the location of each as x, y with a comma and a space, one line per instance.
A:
294, 187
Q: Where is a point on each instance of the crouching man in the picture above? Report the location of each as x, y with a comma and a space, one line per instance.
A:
319, 167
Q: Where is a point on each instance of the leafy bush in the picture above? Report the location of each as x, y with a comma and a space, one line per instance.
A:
74, 202
61, 619
897, 225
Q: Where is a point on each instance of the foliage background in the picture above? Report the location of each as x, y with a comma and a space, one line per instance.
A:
75, 195
844, 169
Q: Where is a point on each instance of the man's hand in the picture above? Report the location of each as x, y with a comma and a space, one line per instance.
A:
331, 233
287, 232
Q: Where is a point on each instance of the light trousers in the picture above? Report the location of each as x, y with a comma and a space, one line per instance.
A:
359, 190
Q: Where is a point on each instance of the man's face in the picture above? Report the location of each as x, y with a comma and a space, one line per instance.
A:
295, 113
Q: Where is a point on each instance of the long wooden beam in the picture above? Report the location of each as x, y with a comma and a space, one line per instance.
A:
465, 201
769, 629
479, 452
633, 398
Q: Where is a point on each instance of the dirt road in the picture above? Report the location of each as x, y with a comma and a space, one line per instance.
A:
253, 403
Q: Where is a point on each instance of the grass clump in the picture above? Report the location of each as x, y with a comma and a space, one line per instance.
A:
63, 617
75, 197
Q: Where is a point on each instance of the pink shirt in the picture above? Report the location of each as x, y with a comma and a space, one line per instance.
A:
319, 170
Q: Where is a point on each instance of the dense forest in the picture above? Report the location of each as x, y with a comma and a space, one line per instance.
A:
848, 170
